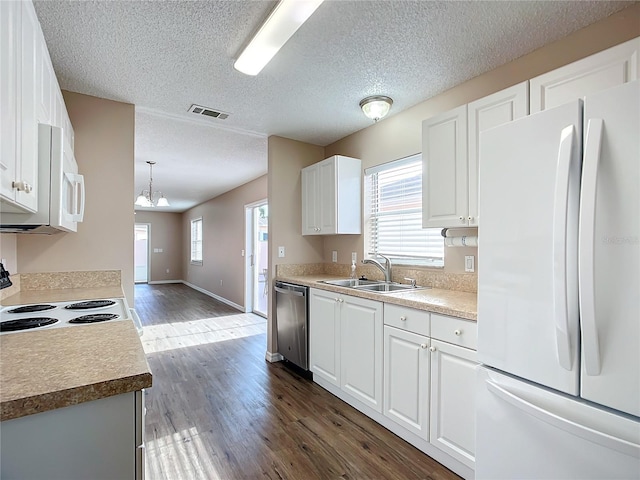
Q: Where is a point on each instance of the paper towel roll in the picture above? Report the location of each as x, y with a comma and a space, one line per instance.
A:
471, 241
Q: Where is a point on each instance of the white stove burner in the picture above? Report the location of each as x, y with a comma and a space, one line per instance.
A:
68, 317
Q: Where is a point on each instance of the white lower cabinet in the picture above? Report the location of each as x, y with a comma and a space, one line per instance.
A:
410, 370
452, 413
361, 350
406, 380
345, 344
324, 335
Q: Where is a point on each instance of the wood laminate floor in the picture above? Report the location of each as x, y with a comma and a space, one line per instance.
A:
218, 410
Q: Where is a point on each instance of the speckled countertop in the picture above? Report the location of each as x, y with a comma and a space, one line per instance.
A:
446, 302
43, 370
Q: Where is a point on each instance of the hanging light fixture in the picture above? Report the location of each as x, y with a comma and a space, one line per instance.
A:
145, 199
376, 107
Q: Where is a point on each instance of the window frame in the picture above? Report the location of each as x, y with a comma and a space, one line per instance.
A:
196, 261
371, 200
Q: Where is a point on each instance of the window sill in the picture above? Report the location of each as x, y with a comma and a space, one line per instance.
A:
196, 263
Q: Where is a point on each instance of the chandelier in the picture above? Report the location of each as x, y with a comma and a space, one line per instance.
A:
145, 199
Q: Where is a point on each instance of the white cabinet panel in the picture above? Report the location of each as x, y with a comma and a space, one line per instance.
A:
10, 13
406, 380
609, 68
444, 153
361, 350
488, 112
324, 335
331, 197
453, 377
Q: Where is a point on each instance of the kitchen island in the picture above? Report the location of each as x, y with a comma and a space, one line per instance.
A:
73, 394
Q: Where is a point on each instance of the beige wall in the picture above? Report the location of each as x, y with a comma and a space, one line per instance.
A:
223, 235
104, 147
286, 159
9, 251
165, 232
401, 134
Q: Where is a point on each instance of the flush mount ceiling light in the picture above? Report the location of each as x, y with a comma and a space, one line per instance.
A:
376, 107
145, 199
281, 24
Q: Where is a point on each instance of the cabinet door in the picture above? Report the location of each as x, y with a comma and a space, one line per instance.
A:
406, 380
9, 55
27, 166
324, 335
444, 183
361, 350
453, 376
609, 68
310, 184
45, 84
488, 112
326, 199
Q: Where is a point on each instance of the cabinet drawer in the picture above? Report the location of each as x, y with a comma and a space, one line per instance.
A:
410, 319
454, 330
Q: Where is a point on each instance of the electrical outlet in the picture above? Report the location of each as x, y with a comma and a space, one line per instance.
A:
242, 253
354, 257
167, 270
281, 252
469, 263
334, 256
220, 282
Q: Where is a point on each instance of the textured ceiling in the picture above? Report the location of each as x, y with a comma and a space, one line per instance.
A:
165, 56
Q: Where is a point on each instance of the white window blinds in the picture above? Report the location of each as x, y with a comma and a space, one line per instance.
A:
196, 241
393, 203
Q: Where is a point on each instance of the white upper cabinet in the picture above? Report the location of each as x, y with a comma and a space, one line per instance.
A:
20, 39
488, 112
444, 179
450, 146
609, 68
331, 197
29, 95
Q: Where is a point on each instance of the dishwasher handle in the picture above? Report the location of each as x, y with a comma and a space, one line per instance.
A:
290, 289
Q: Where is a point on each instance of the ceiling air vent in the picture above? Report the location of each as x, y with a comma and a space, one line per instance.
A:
207, 112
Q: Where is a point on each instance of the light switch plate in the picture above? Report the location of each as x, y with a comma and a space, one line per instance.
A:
469, 263
281, 252
334, 256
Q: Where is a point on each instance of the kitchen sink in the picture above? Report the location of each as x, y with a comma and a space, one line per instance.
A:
350, 282
388, 287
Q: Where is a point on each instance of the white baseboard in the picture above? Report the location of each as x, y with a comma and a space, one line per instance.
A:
159, 282
213, 295
273, 357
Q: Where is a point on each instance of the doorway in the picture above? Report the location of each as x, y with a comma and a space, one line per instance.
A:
141, 252
257, 269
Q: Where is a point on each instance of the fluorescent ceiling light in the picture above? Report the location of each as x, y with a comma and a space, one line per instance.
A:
283, 22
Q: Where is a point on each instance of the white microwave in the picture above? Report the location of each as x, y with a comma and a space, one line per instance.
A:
61, 194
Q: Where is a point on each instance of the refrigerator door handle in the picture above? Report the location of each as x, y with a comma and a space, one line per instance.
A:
561, 205
576, 429
586, 246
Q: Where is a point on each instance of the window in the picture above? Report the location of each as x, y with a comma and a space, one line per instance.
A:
393, 215
196, 241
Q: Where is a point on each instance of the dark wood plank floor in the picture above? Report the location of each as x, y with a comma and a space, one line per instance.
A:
217, 409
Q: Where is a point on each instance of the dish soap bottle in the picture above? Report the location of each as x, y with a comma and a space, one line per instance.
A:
353, 269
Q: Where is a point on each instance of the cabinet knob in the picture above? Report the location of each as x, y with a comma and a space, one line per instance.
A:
457, 333
336, 299
470, 218
461, 218
403, 319
432, 349
22, 186
423, 345
340, 300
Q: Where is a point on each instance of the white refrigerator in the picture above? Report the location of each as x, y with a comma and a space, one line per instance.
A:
558, 390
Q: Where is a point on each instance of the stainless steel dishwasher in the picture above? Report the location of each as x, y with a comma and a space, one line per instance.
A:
292, 315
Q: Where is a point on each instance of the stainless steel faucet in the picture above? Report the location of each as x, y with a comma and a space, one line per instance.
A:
386, 269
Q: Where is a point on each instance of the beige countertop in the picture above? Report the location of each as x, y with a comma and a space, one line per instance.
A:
446, 302
43, 370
